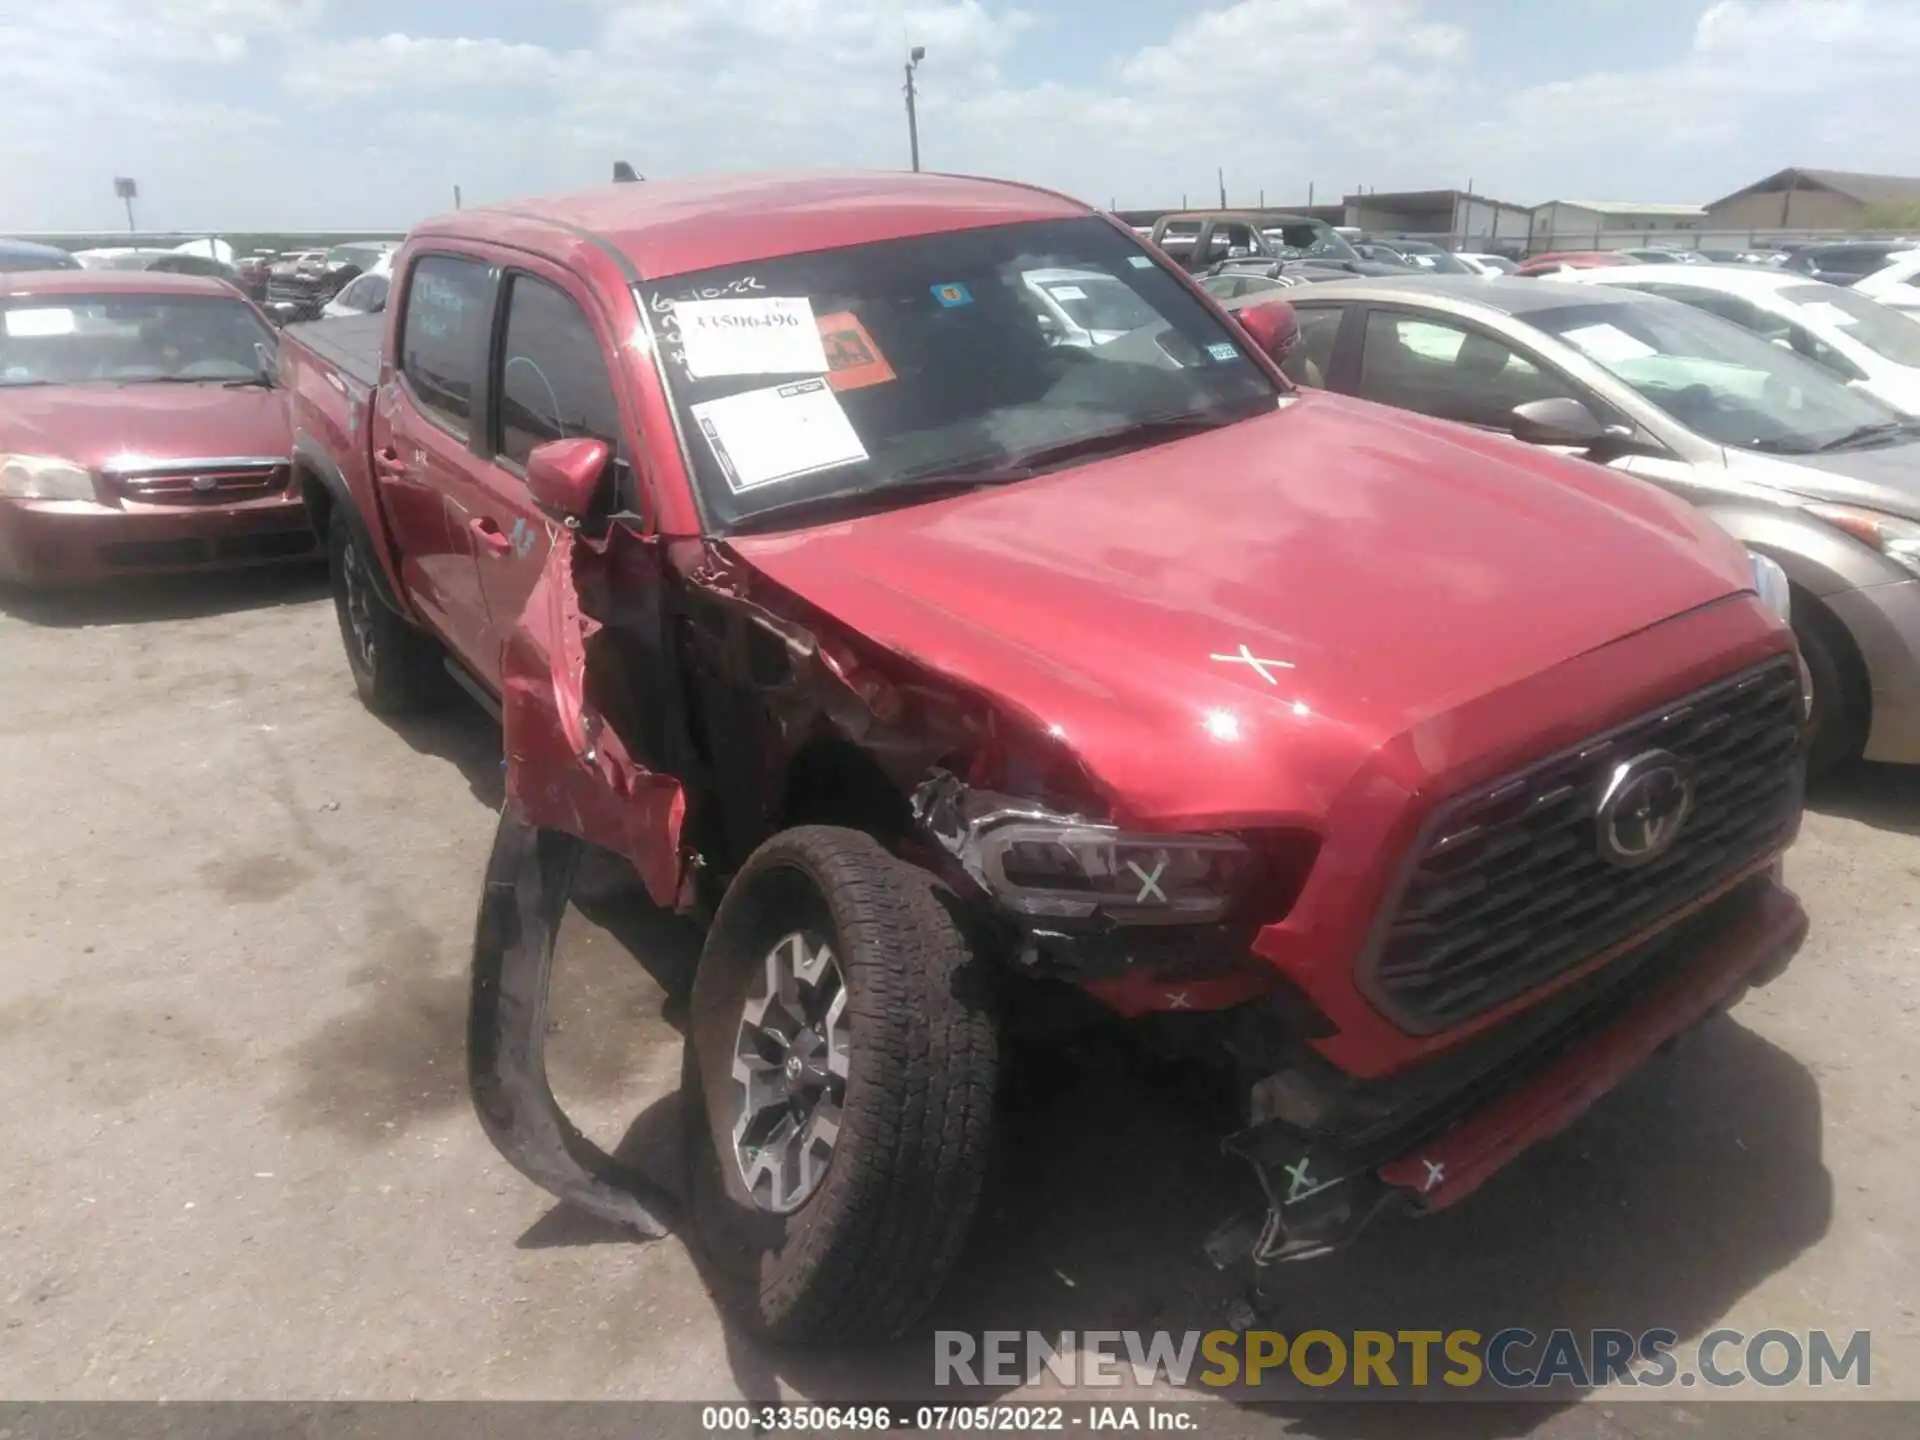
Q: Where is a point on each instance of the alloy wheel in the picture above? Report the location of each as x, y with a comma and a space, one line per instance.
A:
789, 1071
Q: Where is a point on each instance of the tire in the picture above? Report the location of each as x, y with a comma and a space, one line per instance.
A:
1837, 727
861, 1256
395, 667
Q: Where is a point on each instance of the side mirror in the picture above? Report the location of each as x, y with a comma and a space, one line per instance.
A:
564, 475
268, 358
1273, 326
1559, 421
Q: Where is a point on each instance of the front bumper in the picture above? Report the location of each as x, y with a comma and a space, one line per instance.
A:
1432, 1136
74, 542
1884, 621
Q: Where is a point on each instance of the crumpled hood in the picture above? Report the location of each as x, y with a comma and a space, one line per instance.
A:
1383, 569
91, 424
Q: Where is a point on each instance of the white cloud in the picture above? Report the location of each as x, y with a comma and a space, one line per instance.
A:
1279, 92
1853, 63
404, 62
97, 88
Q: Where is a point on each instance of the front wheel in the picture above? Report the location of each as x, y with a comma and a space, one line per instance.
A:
395, 667
1837, 722
842, 1063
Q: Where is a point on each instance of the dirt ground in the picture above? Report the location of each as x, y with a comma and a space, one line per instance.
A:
240, 1161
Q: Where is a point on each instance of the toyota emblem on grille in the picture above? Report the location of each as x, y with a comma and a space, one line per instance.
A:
204, 483
1645, 802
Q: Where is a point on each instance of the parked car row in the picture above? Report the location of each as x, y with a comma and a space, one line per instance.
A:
1783, 408
303, 286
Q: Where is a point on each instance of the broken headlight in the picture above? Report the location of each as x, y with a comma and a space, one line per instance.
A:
44, 477
1046, 866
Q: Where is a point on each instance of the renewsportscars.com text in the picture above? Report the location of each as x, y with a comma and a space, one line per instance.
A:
1511, 1359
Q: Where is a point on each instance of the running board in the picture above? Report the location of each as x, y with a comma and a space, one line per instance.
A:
463, 677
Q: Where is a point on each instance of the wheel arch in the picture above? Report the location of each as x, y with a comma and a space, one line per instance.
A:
324, 491
1817, 558
832, 781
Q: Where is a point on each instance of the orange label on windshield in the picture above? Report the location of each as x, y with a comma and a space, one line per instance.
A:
853, 360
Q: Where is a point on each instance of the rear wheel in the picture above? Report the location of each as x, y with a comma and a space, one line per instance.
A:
1837, 725
841, 1070
395, 667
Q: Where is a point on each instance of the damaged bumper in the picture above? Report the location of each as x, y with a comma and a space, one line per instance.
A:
529, 878
1333, 1153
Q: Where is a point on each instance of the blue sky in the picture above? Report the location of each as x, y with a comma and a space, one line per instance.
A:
246, 114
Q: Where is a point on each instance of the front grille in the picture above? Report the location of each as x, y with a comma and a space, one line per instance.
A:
203, 486
294, 287
223, 550
1509, 888
307, 297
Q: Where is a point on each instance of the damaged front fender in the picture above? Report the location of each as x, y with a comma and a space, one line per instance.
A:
567, 768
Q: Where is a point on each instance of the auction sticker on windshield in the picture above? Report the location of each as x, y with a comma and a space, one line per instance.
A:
854, 361
780, 433
26, 324
775, 335
1608, 343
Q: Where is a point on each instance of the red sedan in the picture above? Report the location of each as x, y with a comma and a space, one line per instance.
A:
141, 429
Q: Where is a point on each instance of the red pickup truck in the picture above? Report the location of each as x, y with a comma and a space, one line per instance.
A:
1424, 782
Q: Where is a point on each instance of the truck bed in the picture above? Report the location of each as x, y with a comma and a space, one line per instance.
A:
351, 344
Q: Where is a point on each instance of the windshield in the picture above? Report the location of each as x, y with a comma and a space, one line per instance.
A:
1883, 331
1718, 380
1294, 242
1434, 260
367, 293
73, 339
1092, 301
845, 372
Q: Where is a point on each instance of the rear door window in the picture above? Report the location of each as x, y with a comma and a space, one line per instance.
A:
443, 340
1230, 240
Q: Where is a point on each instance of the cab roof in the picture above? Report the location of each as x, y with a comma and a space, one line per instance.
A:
25, 283
670, 227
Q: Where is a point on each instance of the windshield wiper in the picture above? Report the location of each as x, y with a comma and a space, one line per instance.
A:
264, 382
1138, 436
958, 478
1861, 434
851, 502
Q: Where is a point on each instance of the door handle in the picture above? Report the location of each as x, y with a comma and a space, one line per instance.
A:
488, 535
387, 462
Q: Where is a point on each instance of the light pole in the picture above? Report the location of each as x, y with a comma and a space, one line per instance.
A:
914, 57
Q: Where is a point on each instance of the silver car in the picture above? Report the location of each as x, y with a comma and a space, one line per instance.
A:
1822, 478
1084, 308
